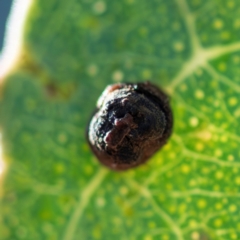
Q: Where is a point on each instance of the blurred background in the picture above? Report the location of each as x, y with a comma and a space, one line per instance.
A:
5, 6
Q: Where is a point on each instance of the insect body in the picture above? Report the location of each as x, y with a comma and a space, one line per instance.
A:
131, 123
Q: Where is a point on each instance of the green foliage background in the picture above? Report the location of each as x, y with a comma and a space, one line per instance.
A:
54, 188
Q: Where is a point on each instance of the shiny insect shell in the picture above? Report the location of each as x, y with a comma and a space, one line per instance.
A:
132, 121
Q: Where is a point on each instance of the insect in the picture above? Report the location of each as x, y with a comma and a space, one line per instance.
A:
132, 121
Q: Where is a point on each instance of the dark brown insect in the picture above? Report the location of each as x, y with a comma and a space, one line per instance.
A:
132, 121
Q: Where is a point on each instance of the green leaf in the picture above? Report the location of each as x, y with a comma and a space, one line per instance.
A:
54, 188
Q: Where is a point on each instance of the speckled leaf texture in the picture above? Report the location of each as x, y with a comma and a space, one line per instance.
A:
55, 188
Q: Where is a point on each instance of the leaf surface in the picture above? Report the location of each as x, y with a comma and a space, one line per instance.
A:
54, 187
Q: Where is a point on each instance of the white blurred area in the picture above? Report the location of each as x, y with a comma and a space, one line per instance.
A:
12, 47
13, 36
